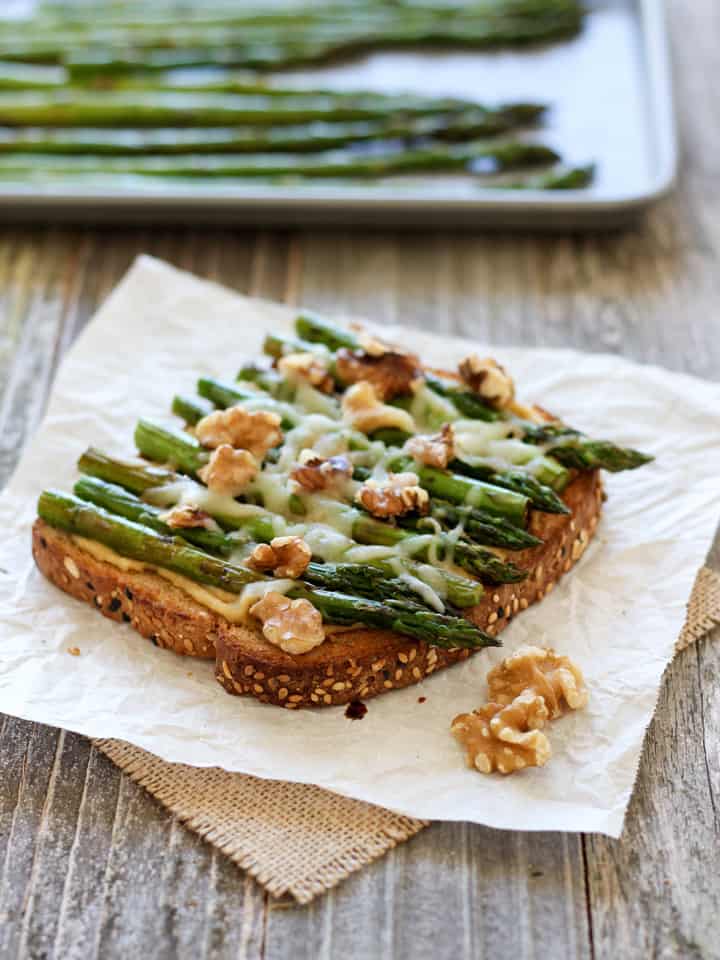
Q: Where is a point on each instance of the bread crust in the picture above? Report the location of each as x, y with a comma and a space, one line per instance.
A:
352, 664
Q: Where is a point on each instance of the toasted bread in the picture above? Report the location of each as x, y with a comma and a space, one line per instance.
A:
353, 663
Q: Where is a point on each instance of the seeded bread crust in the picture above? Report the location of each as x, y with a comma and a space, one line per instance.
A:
350, 665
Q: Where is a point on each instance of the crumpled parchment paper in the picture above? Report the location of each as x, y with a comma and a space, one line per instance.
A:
617, 614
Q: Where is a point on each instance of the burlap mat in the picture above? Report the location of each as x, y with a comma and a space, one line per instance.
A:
298, 839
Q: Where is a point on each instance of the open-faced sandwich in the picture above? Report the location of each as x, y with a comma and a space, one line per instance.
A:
340, 521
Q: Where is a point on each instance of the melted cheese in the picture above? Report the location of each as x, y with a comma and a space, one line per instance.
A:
430, 411
186, 491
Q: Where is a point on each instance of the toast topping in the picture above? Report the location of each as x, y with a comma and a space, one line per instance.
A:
554, 678
293, 625
188, 516
285, 556
434, 451
488, 379
399, 494
314, 473
308, 367
364, 410
254, 430
505, 738
229, 471
390, 371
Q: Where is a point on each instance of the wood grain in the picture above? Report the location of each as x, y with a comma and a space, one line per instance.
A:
91, 867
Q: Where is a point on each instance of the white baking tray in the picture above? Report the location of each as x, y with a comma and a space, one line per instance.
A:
611, 95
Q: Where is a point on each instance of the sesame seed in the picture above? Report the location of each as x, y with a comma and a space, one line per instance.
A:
403, 658
248, 671
496, 598
416, 673
338, 686
283, 678
327, 698
314, 697
378, 665
492, 618
259, 676
412, 654
226, 670
387, 684
282, 693
398, 674
257, 688
71, 567
524, 604
295, 698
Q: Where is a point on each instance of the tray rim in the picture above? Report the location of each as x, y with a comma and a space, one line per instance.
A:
332, 204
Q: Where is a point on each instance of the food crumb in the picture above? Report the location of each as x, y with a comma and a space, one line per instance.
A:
356, 710
422, 699
74, 651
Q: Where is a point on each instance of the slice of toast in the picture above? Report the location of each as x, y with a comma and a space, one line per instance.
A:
353, 663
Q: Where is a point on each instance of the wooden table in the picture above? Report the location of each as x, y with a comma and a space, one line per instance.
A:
91, 866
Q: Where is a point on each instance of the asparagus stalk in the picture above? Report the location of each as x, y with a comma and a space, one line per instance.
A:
576, 451
508, 155
166, 445
157, 108
479, 526
481, 563
134, 476
540, 495
191, 409
438, 630
225, 395
141, 543
146, 545
466, 491
306, 138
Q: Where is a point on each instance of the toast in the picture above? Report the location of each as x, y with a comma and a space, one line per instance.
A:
112, 546
354, 664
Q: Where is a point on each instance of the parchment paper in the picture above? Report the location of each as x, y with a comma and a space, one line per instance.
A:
618, 614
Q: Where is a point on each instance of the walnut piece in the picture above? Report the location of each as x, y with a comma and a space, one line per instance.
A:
434, 451
363, 410
285, 556
188, 516
293, 625
391, 371
395, 496
310, 367
505, 738
487, 378
254, 430
556, 679
229, 471
313, 473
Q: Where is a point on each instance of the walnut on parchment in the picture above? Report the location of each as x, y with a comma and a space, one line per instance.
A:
557, 679
527, 690
507, 738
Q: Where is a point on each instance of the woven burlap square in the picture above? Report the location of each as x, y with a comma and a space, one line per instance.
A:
298, 839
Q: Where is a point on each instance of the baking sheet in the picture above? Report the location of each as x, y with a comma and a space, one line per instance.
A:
618, 614
612, 103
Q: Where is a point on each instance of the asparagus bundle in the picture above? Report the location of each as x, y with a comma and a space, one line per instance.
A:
146, 545
564, 444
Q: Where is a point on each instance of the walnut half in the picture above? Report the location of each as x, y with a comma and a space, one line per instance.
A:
507, 738
293, 625
488, 379
313, 472
254, 430
285, 556
433, 451
395, 496
229, 471
559, 681
188, 516
309, 367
